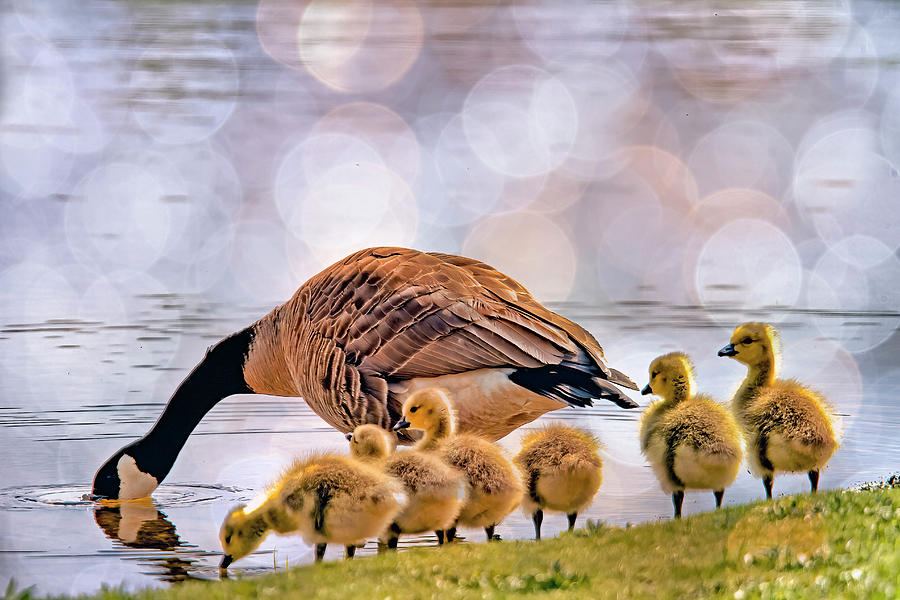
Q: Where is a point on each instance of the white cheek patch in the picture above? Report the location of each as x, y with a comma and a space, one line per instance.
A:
134, 483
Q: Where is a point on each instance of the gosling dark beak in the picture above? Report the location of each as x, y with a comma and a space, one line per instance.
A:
728, 350
646, 390
401, 424
349, 436
226, 560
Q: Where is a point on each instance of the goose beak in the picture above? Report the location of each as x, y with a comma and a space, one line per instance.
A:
728, 350
349, 436
401, 424
226, 560
647, 390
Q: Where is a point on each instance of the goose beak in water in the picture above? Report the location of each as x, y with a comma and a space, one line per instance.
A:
349, 437
647, 390
226, 560
728, 350
401, 424
121, 478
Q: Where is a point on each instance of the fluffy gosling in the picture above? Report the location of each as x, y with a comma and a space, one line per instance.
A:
435, 491
787, 425
561, 469
691, 442
325, 499
494, 486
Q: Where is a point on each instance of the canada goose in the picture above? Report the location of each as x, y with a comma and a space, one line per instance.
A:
325, 499
494, 487
355, 340
435, 491
561, 468
788, 426
691, 442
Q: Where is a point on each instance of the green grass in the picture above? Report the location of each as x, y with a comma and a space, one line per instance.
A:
832, 544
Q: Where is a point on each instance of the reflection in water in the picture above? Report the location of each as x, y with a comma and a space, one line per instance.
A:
140, 524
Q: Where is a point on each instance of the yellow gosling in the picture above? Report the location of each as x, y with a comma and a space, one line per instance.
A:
494, 486
325, 499
561, 469
788, 426
435, 491
691, 442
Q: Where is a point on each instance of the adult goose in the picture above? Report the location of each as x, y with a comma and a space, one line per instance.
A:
355, 340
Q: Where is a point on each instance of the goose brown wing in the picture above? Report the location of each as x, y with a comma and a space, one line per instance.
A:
404, 314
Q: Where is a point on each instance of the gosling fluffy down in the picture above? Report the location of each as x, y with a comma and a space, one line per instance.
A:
691, 441
561, 468
494, 487
324, 499
788, 426
435, 491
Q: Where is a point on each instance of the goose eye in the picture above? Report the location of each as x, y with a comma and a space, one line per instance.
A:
413, 409
746, 341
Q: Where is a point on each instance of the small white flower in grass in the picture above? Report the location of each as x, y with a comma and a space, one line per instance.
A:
856, 573
739, 595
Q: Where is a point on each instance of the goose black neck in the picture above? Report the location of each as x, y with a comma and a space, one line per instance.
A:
217, 376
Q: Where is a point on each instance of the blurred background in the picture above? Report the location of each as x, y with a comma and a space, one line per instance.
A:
656, 171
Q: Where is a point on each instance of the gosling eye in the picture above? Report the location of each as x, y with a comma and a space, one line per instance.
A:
654, 374
413, 409
228, 539
746, 341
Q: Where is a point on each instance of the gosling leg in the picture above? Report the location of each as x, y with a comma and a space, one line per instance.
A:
538, 518
349, 551
440, 536
320, 552
677, 500
572, 517
814, 480
767, 482
489, 531
719, 495
451, 534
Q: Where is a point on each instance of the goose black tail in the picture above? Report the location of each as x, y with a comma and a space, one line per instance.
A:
574, 387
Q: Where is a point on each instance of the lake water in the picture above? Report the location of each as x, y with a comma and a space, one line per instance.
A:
657, 172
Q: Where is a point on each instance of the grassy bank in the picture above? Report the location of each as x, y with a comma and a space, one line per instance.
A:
837, 544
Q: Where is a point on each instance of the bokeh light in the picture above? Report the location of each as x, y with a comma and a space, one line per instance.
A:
343, 45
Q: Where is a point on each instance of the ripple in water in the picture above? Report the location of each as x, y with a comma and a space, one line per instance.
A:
71, 495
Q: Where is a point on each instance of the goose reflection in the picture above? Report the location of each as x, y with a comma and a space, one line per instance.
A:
140, 524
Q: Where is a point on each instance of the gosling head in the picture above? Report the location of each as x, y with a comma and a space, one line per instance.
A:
242, 532
671, 377
427, 409
752, 344
370, 442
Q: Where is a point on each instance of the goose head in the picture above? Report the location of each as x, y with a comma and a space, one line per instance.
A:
671, 377
370, 442
427, 409
752, 344
242, 531
130, 473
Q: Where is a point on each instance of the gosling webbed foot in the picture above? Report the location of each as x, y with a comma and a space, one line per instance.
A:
677, 501
767, 482
538, 518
